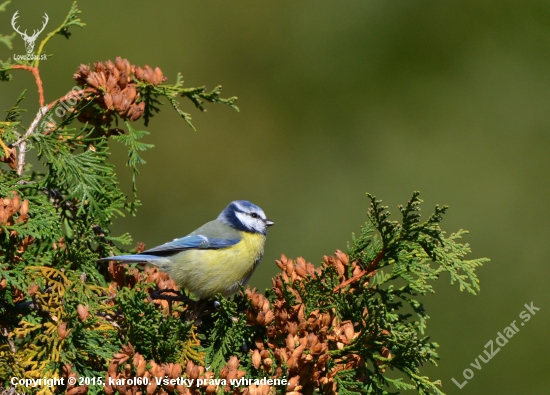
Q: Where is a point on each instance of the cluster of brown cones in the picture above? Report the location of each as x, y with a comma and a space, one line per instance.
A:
10, 157
135, 366
9, 206
307, 339
115, 86
148, 275
73, 389
12, 211
124, 277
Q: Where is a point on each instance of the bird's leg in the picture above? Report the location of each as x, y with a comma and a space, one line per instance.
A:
179, 297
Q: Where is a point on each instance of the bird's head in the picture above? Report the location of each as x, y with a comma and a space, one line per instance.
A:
245, 216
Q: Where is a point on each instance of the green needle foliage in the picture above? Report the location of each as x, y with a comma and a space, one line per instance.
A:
338, 328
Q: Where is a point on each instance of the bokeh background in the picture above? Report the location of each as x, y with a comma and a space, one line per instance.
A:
337, 99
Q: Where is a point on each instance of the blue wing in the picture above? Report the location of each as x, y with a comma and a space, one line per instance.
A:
191, 242
175, 246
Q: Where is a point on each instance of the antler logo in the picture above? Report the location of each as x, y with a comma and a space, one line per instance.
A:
29, 40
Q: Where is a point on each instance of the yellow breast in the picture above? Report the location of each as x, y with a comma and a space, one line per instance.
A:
208, 272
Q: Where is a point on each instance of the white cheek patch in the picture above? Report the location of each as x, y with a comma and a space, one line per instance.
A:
259, 225
245, 220
251, 223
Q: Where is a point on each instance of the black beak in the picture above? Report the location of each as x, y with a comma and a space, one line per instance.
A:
269, 223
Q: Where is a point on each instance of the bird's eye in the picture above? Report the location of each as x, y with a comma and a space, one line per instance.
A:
254, 215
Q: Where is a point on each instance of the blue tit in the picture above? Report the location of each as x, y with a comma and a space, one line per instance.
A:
217, 257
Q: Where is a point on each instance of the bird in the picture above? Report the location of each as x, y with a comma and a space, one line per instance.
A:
216, 258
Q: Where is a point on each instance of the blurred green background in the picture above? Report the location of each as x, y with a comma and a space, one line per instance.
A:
337, 99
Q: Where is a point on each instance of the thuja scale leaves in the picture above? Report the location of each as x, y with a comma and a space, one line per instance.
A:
334, 328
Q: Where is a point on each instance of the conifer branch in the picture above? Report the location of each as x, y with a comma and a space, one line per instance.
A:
36, 73
369, 270
71, 19
22, 142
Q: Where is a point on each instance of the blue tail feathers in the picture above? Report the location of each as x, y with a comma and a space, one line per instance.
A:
131, 258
